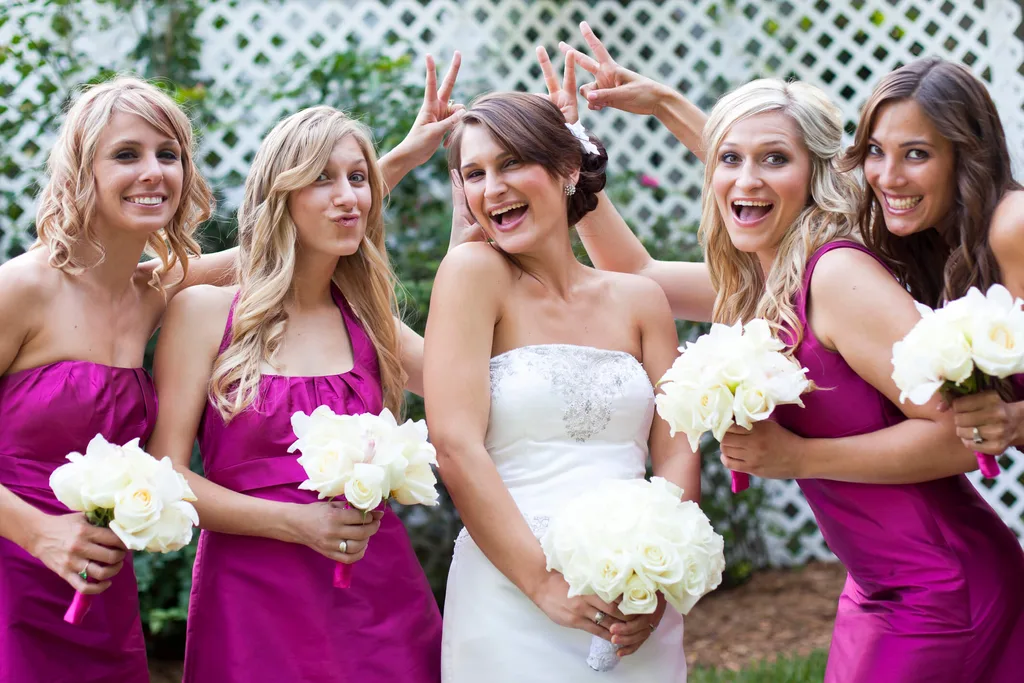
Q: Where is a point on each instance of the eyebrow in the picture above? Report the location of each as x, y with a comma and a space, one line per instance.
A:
908, 143
136, 143
773, 142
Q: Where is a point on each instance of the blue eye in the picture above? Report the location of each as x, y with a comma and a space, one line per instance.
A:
776, 159
357, 177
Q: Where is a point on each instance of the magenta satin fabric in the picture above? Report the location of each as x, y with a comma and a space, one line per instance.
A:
46, 413
935, 590
265, 611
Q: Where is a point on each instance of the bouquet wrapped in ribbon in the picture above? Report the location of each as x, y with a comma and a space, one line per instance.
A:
735, 374
367, 459
959, 349
144, 501
627, 541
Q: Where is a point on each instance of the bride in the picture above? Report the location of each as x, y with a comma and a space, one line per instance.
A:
538, 382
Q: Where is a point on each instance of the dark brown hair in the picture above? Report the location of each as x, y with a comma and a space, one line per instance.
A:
942, 264
533, 129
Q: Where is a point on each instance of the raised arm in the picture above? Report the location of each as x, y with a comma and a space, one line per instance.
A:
66, 544
437, 115
182, 367
465, 306
846, 316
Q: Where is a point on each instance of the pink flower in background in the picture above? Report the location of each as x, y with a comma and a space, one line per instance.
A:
649, 181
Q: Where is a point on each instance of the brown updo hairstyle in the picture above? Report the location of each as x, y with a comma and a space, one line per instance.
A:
533, 130
942, 264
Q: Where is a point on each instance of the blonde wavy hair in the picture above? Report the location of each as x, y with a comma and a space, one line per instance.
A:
291, 157
67, 204
744, 292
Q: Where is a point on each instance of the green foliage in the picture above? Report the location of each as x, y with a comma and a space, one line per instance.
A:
783, 670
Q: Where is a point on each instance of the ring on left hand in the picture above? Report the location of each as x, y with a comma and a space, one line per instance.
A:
599, 617
85, 572
977, 436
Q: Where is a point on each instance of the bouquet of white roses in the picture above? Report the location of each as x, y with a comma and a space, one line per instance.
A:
959, 348
733, 375
145, 501
628, 541
366, 458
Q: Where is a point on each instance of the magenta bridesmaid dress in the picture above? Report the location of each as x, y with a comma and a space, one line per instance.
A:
266, 611
935, 585
46, 413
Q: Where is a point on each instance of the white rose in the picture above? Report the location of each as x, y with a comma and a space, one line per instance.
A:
173, 530
67, 482
678, 407
612, 571
667, 488
714, 406
659, 561
640, 596
680, 600
107, 474
136, 510
363, 490
419, 487
328, 469
784, 379
759, 338
751, 404
996, 332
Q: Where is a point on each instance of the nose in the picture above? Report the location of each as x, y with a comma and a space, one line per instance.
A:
892, 173
494, 186
152, 171
749, 176
344, 196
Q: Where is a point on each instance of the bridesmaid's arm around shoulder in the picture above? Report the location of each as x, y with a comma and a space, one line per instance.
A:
857, 309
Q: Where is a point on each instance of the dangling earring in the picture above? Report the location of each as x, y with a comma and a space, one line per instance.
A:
570, 190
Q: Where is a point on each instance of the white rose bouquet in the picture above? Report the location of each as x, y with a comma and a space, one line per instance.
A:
735, 374
958, 349
626, 541
366, 458
145, 501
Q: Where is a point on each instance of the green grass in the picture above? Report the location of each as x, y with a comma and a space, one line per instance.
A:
783, 670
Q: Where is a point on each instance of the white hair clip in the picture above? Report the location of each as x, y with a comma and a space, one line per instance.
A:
580, 133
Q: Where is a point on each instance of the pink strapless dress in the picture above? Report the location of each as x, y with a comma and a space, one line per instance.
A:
265, 611
46, 413
935, 590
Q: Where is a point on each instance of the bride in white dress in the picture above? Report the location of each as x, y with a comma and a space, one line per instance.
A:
538, 376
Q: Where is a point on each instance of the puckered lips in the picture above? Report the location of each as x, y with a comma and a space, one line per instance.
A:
506, 217
748, 213
346, 220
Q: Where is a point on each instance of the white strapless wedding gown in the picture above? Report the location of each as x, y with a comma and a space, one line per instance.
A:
563, 418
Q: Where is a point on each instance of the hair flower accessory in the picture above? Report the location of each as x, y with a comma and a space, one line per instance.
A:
580, 133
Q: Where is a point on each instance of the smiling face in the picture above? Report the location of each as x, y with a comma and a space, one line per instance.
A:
330, 213
761, 181
138, 175
516, 202
910, 168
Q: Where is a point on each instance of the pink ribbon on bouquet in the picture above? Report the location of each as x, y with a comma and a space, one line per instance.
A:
987, 464
740, 481
80, 604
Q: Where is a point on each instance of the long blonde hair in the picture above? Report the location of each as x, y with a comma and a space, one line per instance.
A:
291, 157
67, 204
743, 290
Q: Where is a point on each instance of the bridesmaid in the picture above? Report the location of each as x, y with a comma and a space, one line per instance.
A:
944, 210
312, 322
76, 312
933, 589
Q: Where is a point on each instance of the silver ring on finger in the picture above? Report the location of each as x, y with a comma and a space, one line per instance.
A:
85, 571
343, 547
977, 436
599, 617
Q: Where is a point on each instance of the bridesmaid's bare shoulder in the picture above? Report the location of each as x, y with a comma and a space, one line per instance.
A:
199, 315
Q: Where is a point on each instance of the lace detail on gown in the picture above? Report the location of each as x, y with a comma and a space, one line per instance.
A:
538, 525
587, 379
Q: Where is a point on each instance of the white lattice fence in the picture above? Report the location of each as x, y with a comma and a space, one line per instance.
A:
701, 47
